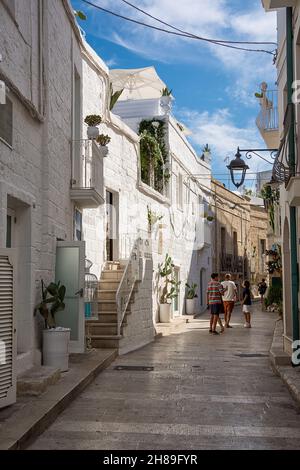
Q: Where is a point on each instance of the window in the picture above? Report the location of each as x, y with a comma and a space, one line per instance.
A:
77, 225
223, 240
235, 244
6, 121
178, 186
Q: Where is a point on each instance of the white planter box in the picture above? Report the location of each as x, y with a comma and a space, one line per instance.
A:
56, 348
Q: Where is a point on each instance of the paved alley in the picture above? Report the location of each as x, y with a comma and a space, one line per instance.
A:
204, 392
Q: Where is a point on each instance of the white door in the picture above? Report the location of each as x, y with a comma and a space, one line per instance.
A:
69, 271
8, 343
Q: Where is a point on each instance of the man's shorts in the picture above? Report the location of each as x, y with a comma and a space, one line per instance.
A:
215, 309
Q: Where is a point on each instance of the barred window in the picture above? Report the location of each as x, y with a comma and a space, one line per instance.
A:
6, 121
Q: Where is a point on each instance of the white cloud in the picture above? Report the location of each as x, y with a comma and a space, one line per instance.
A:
217, 18
223, 136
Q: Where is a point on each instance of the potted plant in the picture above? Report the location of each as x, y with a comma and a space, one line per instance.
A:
92, 121
190, 298
55, 339
166, 99
103, 140
206, 151
169, 291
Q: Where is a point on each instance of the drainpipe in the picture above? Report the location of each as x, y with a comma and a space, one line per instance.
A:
292, 164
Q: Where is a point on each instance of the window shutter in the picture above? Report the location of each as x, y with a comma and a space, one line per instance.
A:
7, 330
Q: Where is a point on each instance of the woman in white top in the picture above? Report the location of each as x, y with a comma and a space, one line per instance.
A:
229, 298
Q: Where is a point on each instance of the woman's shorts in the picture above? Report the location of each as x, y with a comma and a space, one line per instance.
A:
247, 308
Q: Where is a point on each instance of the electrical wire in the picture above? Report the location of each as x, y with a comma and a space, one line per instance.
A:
211, 41
194, 35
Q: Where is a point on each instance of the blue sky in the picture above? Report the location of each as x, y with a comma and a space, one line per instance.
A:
213, 86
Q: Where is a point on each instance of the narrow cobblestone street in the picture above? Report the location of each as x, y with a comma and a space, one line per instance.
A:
204, 392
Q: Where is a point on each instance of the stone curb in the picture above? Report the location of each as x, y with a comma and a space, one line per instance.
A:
27, 423
281, 364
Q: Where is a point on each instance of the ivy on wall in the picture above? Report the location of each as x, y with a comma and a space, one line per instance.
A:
153, 153
271, 198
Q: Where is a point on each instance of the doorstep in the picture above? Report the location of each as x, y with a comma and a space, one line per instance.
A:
22, 422
281, 363
175, 325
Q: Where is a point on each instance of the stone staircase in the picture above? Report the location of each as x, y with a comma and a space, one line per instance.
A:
103, 332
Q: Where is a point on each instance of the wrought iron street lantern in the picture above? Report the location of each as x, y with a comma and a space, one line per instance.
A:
238, 169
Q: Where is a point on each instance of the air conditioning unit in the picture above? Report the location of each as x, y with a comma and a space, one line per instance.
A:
7, 328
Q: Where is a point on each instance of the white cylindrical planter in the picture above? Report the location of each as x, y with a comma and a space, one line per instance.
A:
165, 313
56, 348
104, 150
166, 104
92, 132
190, 306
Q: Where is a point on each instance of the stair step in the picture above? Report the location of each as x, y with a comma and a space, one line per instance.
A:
103, 329
108, 284
107, 305
111, 276
105, 341
106, 295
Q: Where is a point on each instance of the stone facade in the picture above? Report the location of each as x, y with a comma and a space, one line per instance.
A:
54, 79
239, 236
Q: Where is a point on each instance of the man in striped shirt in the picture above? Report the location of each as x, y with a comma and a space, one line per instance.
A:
215, 291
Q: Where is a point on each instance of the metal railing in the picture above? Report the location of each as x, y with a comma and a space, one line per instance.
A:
141, 249
232, 263
87, 169
267, 120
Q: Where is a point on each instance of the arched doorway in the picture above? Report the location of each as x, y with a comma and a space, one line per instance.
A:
287, 294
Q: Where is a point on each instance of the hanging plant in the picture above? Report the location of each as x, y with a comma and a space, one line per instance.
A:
271, 197
153, 153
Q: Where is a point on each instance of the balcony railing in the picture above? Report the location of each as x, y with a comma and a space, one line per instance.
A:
232, 264
267, 120
87, 174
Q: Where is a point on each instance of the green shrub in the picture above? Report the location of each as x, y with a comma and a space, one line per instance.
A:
274, 296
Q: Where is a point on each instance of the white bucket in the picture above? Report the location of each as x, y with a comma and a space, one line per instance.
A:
56, 348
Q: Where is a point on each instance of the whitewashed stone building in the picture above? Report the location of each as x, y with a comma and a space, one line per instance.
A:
57, 189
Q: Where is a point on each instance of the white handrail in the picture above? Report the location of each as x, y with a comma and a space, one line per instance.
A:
141, 249
127, 284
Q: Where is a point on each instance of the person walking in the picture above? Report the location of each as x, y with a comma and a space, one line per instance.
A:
247, 304
214, 294
229, 298
262, 288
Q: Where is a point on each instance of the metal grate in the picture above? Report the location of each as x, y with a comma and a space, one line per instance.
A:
251, 355
141, 368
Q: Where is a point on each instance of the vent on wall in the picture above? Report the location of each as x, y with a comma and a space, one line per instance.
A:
7, 330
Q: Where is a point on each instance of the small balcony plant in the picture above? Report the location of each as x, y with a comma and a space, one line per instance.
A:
55, 339
169, 289
103, 140
93, 121
166, 100
190, 298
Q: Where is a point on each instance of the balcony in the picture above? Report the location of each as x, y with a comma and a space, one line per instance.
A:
267, 120
203, 234
87, 174
232, 264
274, 4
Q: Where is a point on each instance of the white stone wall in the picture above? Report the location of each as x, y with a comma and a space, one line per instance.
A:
121, 176
36, 171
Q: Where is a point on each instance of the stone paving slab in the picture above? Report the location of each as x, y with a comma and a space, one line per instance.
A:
30, 416
205, 392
